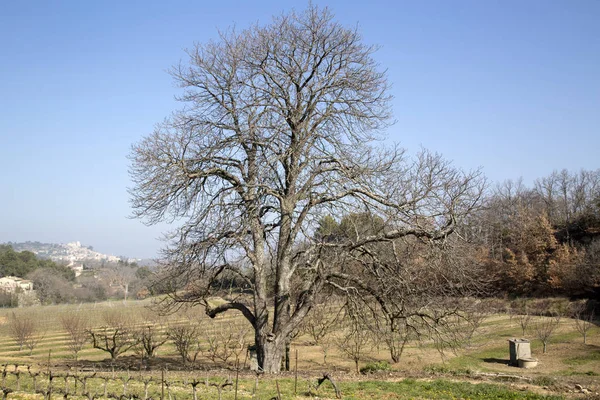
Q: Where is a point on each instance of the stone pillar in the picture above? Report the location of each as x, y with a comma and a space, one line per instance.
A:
519, 349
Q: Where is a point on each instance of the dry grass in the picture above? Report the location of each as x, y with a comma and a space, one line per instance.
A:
567, 361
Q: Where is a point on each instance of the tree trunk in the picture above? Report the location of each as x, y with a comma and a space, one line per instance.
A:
269, 354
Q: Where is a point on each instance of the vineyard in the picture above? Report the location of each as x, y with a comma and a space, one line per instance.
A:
187, 355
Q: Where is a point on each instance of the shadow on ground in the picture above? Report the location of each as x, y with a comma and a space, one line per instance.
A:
496, 361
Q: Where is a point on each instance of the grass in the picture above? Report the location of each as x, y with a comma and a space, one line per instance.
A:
266, 389
568, 360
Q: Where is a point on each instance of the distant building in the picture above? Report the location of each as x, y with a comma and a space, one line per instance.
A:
77, 268
13, 284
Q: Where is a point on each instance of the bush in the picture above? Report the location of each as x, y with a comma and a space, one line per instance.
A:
544, 381
375, 367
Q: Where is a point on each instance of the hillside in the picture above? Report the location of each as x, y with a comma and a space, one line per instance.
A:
69, 252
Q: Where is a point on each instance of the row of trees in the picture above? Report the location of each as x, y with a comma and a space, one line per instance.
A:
351, 328
117, 332
545, 239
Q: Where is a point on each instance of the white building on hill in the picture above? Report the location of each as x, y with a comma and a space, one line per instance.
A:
11, 284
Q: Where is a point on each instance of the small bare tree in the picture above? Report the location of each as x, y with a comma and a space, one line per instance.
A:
320, 323
474, 313
76, 326
523, 312
32, 342
116, 336
395, 337
149, 338
185, 338
226, 340
544, 328
584, 319
122, 276
356, 336
23, 329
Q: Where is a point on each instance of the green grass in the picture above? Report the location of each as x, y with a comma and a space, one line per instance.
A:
591, 356
437, 389
267, 388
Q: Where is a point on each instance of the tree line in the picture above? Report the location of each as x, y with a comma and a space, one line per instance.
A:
545, 239
55, 283
21, 264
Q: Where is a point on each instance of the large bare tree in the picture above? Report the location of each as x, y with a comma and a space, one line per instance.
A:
279, 128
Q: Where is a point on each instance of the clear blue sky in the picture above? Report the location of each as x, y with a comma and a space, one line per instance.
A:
512, 86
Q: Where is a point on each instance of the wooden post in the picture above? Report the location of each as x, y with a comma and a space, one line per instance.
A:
296, 374
162, 384
49, 354
278, 391
237, 375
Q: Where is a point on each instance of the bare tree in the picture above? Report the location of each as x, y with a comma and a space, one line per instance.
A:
279, 130
115, 336
395, 337
185, 338
522, 309
121, 276
584, 319
76, 325
474, 312
23, 329
151, 334
225, 340
356, 336
544, 328
149, 338
320, 323
412, 289
32, 341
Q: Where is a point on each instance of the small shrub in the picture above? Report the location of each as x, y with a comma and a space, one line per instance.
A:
544, 381
375, 367
436, 369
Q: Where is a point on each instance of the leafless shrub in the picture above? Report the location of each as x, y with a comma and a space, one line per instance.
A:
226, 340
544, 328
76, 326
24, 330
319, 325
149, 338
116, 336
355, 337
584, 318
185, 338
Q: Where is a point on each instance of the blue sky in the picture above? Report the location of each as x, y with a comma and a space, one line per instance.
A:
510, 86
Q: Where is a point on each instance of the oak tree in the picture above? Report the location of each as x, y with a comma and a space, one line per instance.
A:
280, 127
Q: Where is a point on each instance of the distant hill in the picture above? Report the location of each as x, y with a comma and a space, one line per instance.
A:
70, 252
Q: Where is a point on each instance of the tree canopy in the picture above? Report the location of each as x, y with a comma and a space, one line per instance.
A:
20, 264
280, 128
